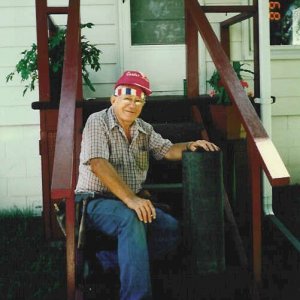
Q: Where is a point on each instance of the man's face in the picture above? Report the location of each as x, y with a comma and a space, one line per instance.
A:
127, 108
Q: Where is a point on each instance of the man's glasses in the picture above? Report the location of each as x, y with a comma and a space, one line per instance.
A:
137, 102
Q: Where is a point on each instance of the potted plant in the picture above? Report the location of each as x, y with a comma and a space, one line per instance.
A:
223, 115
28, 70
218, 90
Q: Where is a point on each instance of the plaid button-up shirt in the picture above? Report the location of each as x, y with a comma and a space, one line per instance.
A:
103, 137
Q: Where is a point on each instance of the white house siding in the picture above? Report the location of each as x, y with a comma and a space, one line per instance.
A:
20, 171
20, 175
286, 112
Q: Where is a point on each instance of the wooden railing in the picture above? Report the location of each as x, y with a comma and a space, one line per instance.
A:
62, 185
63, 177
262, 152
67, 141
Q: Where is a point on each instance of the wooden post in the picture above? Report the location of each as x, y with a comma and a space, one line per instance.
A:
44, 95
256, 51
42, 49
192, 61
203, 197
225, 40
255, 175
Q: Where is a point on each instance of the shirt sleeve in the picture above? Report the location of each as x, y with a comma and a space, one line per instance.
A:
158, 145
95, 143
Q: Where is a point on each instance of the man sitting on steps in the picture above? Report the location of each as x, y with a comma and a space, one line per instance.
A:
114, 160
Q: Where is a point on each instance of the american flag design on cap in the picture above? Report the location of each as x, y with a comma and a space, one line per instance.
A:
120, 90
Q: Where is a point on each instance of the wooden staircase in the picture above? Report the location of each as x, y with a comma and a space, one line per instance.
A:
61, 127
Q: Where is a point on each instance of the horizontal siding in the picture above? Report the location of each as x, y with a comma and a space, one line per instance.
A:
96, 14
285, 106
285, 87
17, 37
285, 132
99, 14
20, 174
102, 34
285, 69
18, 115
17, 17
12, 56
11, 95
17, 3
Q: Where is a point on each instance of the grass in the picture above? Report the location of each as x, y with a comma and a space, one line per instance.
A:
30, 267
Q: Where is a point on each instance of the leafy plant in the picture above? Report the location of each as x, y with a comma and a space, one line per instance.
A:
218, 88
27, 66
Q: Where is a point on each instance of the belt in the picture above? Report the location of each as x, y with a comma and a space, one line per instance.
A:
79, 197
93, 195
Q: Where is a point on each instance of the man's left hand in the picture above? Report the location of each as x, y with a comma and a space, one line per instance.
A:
207, 146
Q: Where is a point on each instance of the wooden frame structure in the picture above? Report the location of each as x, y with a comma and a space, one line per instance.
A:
60, 133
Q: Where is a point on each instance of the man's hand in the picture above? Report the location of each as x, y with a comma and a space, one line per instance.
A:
207, 146
143, 208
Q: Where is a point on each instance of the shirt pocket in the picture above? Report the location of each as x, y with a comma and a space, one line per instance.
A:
142, 160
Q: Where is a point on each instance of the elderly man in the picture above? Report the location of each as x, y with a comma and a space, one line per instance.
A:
114, 159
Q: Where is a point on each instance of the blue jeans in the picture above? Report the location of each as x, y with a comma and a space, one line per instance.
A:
137, 243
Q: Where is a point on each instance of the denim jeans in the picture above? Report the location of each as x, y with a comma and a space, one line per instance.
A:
137, 243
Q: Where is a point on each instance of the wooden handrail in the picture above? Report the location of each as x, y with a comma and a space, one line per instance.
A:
62, 177
236, 19
267, 153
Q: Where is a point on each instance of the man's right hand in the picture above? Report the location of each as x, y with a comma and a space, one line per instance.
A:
143, 208
110, 178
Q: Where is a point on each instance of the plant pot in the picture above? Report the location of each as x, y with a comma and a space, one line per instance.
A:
226, 121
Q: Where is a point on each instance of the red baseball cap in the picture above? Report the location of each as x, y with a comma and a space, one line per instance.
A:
135, 79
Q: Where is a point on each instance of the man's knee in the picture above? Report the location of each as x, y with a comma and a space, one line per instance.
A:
130, 219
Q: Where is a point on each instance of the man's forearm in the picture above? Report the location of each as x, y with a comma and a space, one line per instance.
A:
111, 179
175, 152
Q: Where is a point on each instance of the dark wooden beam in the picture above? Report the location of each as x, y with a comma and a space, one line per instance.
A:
42, 50
255, 180
225, 40
236, 19
192, 57
256, 57
59, 10
228, 9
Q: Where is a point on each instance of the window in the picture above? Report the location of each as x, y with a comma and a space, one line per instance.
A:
284, 22
156, 22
